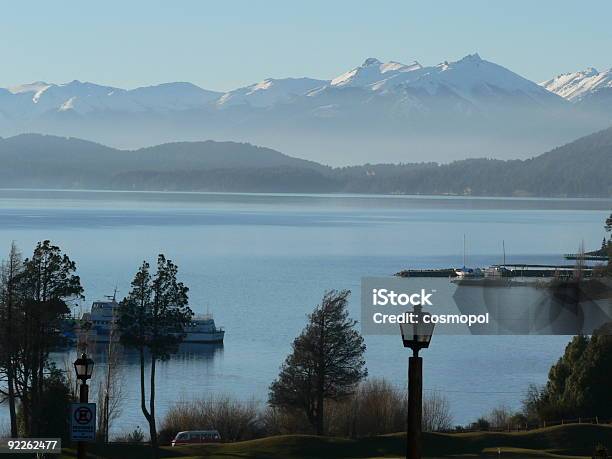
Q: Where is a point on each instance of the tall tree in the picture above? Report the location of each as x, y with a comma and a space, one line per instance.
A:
35, 295
327, 361
152, 319
10, 272
48, 284
579, 383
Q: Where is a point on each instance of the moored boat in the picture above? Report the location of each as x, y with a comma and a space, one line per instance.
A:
99, 325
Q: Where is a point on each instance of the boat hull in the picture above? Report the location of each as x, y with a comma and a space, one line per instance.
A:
204, 338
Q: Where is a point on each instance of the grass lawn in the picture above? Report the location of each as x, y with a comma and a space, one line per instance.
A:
553, 442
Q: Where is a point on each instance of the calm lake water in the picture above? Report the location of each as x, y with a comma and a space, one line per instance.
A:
260, 263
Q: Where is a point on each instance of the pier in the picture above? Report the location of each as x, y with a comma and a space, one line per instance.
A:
507, 270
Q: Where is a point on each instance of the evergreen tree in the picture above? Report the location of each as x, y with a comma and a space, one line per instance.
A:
10, 328
327, 361
55, 404
579, 383
152, 319
35, 293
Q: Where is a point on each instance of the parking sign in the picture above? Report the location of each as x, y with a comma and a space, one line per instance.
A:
83, 422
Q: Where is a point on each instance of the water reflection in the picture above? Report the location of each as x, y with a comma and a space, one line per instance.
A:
187, 352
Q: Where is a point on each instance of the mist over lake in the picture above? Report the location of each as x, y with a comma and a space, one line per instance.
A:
261, 262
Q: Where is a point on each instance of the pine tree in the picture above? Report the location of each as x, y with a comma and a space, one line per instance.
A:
327, 361
10, 329
152, 319
579, 383
47, 284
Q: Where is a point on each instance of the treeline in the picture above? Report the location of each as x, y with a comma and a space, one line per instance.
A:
582, 168
579, 177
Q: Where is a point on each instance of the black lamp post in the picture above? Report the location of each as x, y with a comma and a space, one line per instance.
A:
416, 336
83, 366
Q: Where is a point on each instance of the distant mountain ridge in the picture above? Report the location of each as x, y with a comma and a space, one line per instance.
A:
582, 168
35, 160
578, 85
38, 98
377, 111
461, 77
590, 90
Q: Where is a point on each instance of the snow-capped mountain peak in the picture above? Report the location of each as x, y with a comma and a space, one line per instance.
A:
392, 66
84, 97
371, 72
269, 92
470, 78
577, 85
29, 87
265, 84
474, 74
37, 88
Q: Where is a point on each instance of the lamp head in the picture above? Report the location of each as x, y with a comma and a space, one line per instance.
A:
417, 335
83, 366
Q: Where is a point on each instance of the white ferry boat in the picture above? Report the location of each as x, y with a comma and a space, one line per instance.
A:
103, 317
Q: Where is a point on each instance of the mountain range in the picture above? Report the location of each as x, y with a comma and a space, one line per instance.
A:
590, 90
581, 169
375, 112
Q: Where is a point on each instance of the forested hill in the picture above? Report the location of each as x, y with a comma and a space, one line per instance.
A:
580, 168
34, 160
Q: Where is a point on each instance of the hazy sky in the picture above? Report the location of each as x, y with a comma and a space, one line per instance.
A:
228, 43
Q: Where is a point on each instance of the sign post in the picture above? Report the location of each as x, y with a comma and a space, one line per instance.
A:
83, 422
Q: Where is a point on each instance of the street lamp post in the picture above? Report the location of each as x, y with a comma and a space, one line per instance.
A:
416, 336
83, 366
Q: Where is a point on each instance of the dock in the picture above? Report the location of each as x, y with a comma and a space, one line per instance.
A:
443, 272
508, 270
586, 257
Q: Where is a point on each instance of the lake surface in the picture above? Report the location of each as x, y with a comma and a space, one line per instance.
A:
261, 262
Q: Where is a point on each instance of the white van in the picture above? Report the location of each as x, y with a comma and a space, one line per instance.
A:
191, 437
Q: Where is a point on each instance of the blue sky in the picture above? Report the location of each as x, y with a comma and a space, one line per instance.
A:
225, 44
